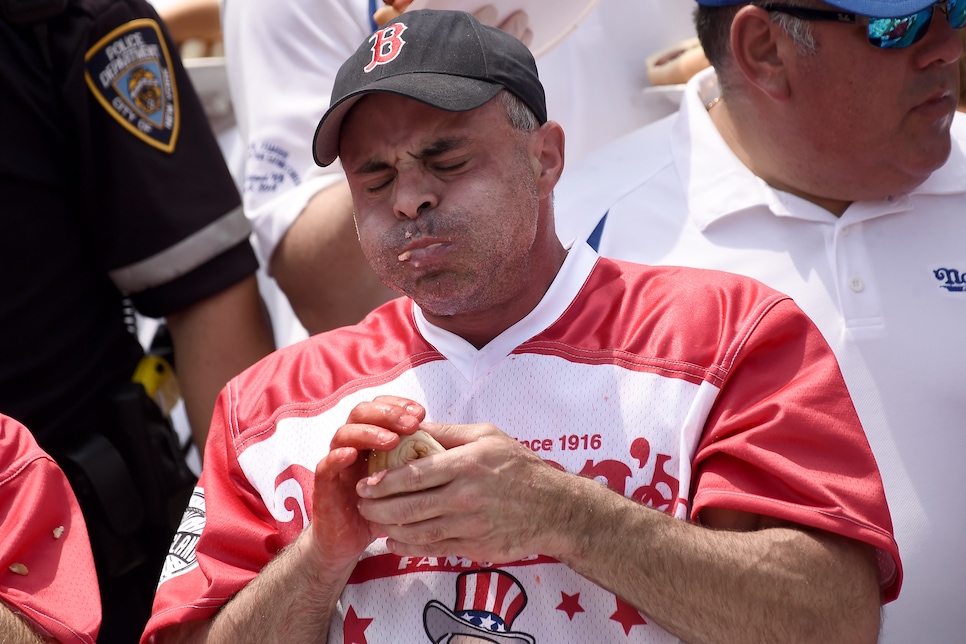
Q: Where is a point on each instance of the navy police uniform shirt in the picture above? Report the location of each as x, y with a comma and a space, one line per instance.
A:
111, 184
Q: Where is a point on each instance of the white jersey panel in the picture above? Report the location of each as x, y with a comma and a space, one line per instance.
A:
582, 396
645, 463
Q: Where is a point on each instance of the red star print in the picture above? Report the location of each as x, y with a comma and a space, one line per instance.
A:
627, 616
570, 605
354, 628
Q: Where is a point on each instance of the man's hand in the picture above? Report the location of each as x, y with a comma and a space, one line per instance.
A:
340, 532
487, 498
296, 593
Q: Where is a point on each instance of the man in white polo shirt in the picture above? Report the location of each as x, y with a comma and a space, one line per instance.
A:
834, 171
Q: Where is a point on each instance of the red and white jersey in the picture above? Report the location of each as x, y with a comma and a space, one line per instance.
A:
47, 573
679, 388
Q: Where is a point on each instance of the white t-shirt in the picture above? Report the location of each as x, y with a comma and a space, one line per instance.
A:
282, 60
885, 283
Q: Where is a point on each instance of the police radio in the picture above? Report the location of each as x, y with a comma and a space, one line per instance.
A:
24, 12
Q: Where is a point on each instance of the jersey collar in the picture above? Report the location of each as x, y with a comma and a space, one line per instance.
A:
473, 363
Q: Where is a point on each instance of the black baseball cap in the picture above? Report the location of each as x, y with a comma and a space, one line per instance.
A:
446, 59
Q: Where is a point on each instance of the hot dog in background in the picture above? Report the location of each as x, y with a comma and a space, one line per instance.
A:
677, 64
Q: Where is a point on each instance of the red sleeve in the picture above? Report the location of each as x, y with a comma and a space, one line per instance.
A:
786, 442
47, 572
215, 554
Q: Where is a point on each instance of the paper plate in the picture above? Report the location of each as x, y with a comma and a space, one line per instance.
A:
550, 20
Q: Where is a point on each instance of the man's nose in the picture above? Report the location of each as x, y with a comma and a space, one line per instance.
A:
416, 191
941, 42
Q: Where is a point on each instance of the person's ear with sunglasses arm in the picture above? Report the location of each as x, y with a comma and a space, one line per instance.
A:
770, 79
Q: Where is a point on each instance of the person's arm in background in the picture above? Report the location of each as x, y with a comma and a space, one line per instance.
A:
281, 61
214, 340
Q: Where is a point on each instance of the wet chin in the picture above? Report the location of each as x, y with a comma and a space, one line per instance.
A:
445, 295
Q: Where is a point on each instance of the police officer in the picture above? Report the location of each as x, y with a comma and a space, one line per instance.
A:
113, 189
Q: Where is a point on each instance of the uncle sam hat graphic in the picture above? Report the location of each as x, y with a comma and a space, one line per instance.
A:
487, 602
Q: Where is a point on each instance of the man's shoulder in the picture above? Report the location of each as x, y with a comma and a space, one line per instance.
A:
704, 278
17, 448
685, 291
313, 373
689, 320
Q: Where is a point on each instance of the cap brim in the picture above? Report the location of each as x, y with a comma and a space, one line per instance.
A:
442, 91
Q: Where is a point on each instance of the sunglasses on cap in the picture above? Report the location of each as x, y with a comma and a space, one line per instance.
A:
884, 33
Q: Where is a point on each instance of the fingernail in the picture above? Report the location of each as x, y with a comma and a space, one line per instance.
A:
407, 419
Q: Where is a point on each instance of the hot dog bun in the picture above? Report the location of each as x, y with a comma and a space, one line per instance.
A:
410, 448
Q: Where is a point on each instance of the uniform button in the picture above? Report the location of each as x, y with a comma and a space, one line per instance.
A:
845, 231
856, 284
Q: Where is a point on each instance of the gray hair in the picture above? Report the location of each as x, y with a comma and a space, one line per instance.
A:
800, 31
713, 26
521, 117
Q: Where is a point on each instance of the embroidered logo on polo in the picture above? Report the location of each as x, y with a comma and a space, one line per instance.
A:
129, 72
386, 45
951, 279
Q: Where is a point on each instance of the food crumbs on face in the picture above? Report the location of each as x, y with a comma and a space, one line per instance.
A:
18, 569
58, 531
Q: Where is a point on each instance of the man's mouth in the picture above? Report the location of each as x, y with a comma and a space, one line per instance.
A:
419, 255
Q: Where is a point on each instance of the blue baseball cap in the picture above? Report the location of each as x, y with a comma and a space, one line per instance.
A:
876, 8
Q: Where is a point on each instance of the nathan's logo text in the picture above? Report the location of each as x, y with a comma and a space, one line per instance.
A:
951, 279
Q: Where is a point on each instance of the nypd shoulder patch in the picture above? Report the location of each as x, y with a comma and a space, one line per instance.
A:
129, 72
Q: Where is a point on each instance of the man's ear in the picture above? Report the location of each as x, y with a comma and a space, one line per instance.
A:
547, 156
759, 47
